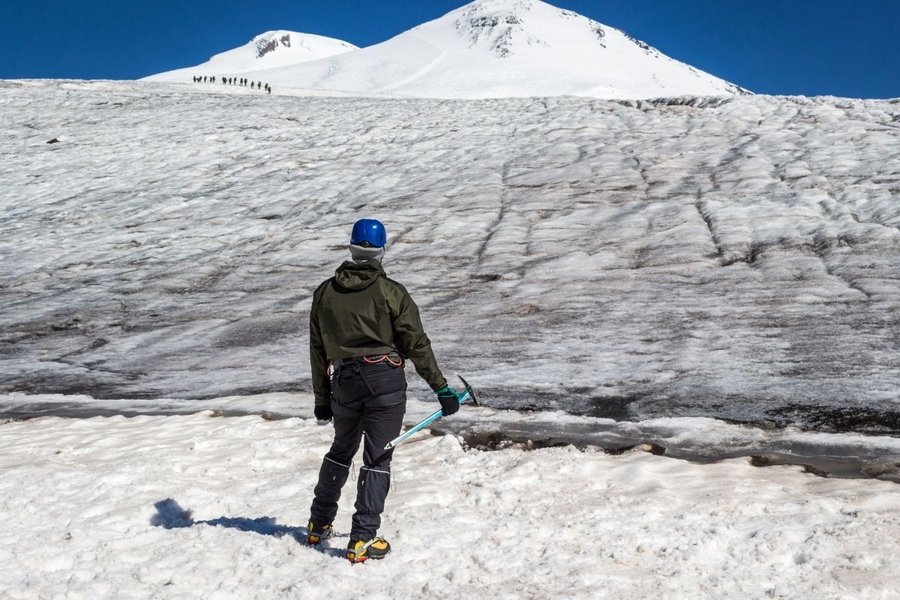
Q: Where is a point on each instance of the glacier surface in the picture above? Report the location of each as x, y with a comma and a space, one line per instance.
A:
691, 257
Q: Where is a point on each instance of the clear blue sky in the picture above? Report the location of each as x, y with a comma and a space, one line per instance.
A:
809, 47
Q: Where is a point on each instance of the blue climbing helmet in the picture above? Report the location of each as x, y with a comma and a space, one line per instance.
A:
368, 232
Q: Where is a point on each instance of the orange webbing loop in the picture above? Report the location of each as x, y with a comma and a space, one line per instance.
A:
374, 360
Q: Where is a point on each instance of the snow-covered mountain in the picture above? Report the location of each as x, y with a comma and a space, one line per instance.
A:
270, 50
497, 48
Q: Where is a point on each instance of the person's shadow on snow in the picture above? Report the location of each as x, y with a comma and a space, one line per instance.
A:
170, 515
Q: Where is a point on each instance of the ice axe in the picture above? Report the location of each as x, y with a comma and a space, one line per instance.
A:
468, 393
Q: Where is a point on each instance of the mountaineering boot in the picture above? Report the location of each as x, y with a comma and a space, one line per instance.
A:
359, 551
317, 533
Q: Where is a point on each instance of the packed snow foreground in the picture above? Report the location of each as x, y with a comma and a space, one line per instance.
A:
205, 507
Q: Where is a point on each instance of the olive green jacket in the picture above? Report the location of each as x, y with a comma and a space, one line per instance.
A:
360, 312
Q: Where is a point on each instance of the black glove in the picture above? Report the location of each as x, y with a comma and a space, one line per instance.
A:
449, 400
323, 412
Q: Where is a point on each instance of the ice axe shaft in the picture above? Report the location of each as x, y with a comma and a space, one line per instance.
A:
468, 393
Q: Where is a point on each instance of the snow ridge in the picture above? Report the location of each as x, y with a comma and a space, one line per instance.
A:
270, 50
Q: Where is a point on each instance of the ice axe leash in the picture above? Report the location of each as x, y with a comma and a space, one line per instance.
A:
468, 393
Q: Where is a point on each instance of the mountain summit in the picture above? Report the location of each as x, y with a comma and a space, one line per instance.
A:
502, 48
273, 49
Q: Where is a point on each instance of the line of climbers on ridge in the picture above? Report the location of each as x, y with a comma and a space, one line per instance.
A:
255, 85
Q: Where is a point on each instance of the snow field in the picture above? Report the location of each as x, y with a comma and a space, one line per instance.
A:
87, 504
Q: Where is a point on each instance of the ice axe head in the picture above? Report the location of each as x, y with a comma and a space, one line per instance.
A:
469, 390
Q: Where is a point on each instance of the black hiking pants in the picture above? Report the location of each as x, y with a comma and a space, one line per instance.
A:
368, 401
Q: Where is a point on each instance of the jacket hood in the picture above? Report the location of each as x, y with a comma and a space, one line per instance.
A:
358, 276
